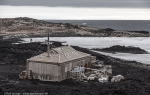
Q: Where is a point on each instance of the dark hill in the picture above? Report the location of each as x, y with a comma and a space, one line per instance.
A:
123, 49
25, 26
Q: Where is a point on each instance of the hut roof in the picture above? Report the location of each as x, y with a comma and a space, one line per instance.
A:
59, 55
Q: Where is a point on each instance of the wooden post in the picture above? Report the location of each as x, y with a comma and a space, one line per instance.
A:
48, 46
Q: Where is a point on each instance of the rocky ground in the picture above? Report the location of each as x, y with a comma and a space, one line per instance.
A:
13, 60
123, 49
24, 27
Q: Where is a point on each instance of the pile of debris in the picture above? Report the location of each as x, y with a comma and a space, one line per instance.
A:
98, 72
27, 74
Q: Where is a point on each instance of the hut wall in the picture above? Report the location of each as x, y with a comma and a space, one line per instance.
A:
43, 71
65, 67
53, 72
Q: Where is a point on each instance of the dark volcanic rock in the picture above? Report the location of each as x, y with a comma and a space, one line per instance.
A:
18, 53
136, 82
123, 49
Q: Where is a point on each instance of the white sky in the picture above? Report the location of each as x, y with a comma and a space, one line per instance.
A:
74, 13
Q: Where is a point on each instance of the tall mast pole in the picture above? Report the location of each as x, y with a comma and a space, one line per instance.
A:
48, 46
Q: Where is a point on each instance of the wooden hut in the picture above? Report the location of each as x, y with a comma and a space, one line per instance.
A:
60, 61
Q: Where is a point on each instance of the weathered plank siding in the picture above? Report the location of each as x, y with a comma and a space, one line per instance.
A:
45, 72
70, 65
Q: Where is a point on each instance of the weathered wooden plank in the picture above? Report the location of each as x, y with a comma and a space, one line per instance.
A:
44, 71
